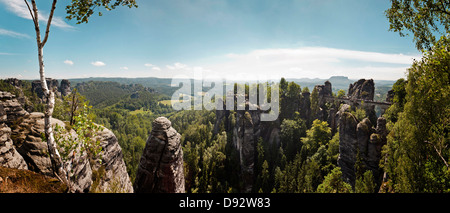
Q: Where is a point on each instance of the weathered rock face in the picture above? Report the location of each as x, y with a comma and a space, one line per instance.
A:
161, 167
27, 136
26, 130
14, 82
359, 139
348, 142
305, 106
362, 89
64, 88
112, 167
52, 84
324, 92
246, 133
36, 87
13, 109
9, 157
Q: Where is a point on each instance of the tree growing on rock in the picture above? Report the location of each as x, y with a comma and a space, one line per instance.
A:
81, 11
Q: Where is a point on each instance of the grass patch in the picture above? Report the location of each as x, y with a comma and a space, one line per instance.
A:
141, 111
166, 102
25, 181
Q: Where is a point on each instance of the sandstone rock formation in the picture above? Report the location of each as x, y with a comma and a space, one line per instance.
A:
359, 139
348, 140
246, 128
161, 166
52, 84
112, 167
9, 157
362, 89
245, 136
12, 107
26, 130
64, 88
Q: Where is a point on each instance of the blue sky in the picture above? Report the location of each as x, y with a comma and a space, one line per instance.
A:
218, 38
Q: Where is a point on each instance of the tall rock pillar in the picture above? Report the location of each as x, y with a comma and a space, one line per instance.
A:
161, 167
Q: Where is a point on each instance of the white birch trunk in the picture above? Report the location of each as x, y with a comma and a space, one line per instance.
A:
49, 96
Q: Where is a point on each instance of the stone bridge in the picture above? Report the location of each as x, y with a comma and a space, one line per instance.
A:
358, 102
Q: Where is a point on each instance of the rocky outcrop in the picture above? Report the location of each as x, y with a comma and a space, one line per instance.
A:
64, 88
26, 131
52, 84
359, 139
13, 109
362, 89
161, 166
27, 136
245, 136
305, 107
111, 169
246, 129
324, 92
9, 157
348, 143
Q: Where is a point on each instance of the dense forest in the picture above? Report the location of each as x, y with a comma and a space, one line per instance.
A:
415, 158
305, 159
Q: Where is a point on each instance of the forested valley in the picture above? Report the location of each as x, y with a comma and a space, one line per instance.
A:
300, 151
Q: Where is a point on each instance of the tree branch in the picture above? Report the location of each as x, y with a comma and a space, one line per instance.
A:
49, 22
439, 153
31, 13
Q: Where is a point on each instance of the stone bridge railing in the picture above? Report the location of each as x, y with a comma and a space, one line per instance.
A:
382, 105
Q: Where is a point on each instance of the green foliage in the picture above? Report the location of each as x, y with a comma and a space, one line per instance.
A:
399, 100
417, 152
73, 146
341, 93
290, 94
318, 135
318, 156
333, 183
70, 107
359, 113
82, 10
291, 132
131, 131
32, 101
426, 19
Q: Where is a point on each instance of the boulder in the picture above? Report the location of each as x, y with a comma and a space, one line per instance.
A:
160, 169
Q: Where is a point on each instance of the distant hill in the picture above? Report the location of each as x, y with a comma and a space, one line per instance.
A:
163, 85
159, 85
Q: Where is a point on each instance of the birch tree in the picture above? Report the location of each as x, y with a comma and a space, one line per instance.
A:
80, 10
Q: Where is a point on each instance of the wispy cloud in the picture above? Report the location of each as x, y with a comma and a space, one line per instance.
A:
19, 8
316, 62
13, 34
68, 62
123, 68
98, 63
2, 53
154, 67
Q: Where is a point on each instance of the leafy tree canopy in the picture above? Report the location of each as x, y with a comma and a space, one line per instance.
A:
425, 19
